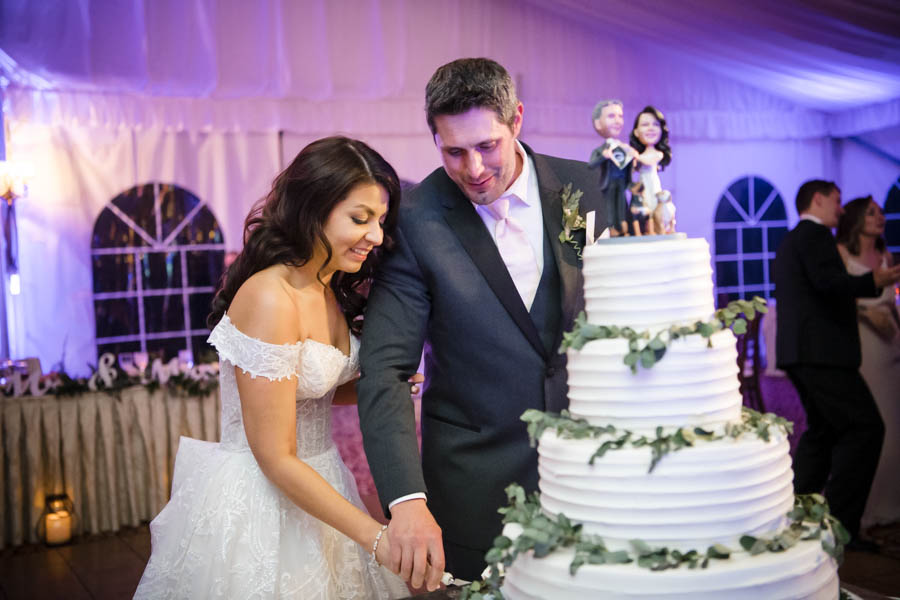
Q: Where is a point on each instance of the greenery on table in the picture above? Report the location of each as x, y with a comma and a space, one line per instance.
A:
542, 534
646, 350
661, 443
181, 384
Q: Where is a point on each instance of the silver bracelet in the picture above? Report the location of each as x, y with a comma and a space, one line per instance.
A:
377, 539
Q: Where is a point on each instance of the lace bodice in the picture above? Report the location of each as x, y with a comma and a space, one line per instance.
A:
319, 369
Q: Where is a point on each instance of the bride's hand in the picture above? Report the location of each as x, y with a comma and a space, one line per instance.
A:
383, 551
415, 387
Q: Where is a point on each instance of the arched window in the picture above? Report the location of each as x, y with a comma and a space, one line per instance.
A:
749, 223
892, 214
157, 253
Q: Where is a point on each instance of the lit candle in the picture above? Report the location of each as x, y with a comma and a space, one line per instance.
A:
59, 527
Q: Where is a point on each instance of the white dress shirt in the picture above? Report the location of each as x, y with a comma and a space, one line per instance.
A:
525, 208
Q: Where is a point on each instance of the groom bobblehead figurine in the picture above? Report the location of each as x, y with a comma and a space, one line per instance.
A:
479, 277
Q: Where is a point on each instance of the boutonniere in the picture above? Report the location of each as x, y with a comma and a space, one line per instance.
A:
571, 220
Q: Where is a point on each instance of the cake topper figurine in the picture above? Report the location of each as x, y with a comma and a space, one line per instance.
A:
614, 159
650, 137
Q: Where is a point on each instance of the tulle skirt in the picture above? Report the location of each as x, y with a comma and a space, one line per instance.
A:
228, 532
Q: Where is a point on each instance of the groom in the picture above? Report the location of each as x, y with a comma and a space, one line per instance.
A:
479, 277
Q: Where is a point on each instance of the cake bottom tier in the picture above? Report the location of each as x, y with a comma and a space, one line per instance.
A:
804, 571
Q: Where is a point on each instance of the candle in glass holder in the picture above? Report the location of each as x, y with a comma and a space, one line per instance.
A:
58, 526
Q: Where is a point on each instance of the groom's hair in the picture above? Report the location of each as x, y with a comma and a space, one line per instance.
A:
468, 83
809, 189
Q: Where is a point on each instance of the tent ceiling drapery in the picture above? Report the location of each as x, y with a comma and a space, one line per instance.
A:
828, 55
792, 68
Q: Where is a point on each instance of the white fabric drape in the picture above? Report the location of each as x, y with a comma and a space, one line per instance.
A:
112, 455
720, 70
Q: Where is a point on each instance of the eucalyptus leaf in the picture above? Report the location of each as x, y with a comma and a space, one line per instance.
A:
620, 557
640, 546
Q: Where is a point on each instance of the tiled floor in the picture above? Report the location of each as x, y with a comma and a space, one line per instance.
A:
98, 567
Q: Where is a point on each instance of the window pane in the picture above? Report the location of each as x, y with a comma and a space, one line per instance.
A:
205, 267
118, 348
775, 212
724, 298
201, 305
202, 229
166, 348
203, 352
175, 204
725, 212
164, 313
740, 190
774, 235
753, 272
761, 191
726, 241
161, 270
116, 317
892, 202
138, 204
113, 273
726, 273
752, 238
111, 232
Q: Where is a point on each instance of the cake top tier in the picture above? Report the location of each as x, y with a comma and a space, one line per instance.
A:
649, 282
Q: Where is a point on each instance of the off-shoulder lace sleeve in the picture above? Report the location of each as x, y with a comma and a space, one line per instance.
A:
255, 357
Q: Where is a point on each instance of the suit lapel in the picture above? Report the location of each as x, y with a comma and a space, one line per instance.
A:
567, 261
474, 237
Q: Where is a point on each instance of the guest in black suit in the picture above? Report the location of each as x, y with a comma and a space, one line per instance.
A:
817, 343
490, 324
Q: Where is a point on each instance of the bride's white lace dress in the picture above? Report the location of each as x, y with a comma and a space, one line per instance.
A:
227, 531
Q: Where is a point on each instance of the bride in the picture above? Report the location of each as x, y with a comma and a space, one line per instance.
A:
272, 511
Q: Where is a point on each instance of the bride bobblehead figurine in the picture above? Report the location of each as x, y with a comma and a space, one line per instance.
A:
650, 137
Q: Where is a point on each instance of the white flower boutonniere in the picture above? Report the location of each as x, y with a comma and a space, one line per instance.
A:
571, 220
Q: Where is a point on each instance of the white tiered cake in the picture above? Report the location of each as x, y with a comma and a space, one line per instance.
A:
709, 493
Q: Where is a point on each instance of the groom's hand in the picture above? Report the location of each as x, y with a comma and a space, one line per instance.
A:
417, 552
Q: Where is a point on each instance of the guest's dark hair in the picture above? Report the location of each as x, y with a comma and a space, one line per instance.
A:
662, 145
852, 222
285, 226
811, 188
468, 83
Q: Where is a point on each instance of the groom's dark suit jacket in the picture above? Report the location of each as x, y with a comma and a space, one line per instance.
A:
487, 359
816, 300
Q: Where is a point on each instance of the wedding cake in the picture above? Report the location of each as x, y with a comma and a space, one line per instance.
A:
657, 473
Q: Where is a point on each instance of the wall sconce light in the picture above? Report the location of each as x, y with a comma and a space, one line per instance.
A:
57, 522
14, 178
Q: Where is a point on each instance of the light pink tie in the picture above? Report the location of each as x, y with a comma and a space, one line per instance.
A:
516, 250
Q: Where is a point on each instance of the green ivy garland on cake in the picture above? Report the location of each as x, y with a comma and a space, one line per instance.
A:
648, 351
568, 427
541, 534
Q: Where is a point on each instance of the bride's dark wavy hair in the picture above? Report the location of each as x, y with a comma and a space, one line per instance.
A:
285, 226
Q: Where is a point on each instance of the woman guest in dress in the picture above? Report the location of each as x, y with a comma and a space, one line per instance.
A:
861, 243
271, 511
